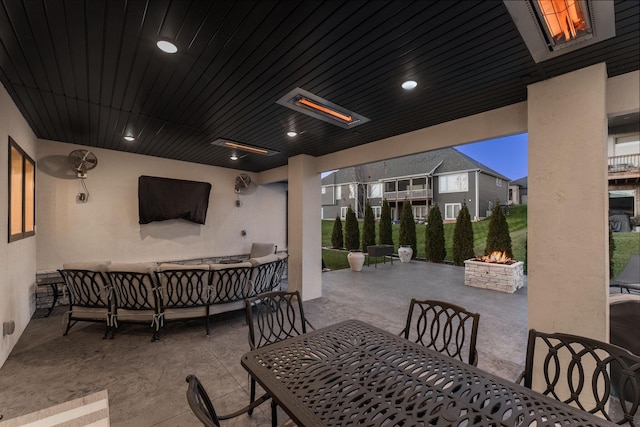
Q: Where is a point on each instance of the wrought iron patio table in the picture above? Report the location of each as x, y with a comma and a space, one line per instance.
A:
352, 373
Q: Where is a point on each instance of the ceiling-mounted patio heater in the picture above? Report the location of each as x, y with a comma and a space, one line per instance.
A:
554, 27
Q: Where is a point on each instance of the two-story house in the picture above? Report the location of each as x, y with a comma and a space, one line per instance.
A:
624, 169
445, 177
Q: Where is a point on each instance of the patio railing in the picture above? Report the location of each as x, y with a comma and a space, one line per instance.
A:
409, 194
626, 163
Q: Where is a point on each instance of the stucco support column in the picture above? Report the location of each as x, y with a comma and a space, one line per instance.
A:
305, 235
568, 225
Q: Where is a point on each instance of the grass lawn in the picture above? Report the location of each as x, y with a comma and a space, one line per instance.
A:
517, 220
626, 245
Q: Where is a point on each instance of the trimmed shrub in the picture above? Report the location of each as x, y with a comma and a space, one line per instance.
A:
498, 238
612, 249
407, 234
434, 236
368, 228
337, 239
463, 237
351, 231
385, 232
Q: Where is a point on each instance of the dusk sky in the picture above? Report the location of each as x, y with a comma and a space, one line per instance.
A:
506, 155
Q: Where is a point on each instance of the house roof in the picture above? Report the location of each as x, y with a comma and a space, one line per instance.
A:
89, 72
436, 162
522, 182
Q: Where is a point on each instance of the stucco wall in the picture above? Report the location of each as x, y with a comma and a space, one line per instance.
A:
17, 259
107, 228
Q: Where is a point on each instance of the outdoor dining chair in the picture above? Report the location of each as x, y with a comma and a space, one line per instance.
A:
446, 328
90, 297
203, 409
273, 317
597, 377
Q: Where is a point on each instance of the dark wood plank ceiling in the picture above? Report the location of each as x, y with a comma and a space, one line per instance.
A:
88, 72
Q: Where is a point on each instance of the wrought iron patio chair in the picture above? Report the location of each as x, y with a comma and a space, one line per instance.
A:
184, 292
136, 298
203, 409
577, 370
273, 317
262, 276
281, 268
90, 297
446, 328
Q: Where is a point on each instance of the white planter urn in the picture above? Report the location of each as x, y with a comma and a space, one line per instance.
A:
405, 253
356, 260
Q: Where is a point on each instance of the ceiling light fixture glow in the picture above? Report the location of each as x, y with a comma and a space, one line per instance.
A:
244, 147
312, 105
234, 157
409, 85
129, 138
291, 134
167, 46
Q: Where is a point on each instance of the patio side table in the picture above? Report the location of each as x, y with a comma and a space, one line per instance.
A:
379, 251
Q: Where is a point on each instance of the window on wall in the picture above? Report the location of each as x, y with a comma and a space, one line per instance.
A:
375, 190
22, 193
343, 212
453, 183
338, 192
498, 182
451, 210
377, 210
353, 191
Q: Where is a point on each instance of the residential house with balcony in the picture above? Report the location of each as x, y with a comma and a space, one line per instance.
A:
445, 177
623, 149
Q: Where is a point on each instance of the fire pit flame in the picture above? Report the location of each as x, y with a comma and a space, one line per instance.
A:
496, 257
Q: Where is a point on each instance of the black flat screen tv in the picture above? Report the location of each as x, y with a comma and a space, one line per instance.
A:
160, 199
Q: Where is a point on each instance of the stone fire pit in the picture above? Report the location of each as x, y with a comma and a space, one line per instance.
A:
503, 277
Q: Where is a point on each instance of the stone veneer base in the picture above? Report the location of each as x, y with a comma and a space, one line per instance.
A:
498, 277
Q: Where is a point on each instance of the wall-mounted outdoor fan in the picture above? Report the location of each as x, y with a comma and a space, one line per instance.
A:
243, 181
82, 161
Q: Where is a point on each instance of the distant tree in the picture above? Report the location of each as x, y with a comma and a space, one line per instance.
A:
368, 228
498, 238
434, 236
612, 249
385, 234
407, 235
351, 231
337, 239
463, 237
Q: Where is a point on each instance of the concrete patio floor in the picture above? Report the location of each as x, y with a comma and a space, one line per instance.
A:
146, 380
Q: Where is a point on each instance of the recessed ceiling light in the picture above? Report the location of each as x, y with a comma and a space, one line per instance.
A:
167, 46
129, 138
409, 85
234, 157
292, 134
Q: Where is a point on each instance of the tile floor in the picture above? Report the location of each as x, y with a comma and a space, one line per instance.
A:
146, 380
